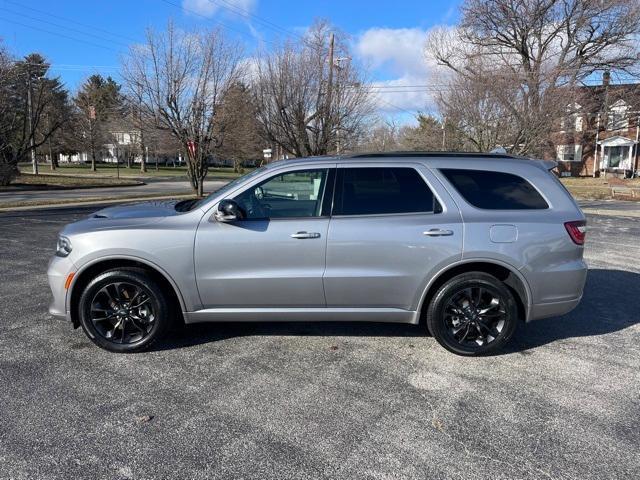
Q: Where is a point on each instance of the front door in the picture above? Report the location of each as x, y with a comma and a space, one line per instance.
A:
388, 233
275, 257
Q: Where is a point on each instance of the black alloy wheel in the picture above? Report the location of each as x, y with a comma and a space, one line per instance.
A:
124, 310
472, 314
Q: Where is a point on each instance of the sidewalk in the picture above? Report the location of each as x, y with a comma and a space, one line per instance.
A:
617, 208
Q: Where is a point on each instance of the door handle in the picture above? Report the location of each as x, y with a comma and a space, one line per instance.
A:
303, 235
438, 232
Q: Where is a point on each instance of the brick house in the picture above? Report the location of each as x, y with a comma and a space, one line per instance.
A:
600, 131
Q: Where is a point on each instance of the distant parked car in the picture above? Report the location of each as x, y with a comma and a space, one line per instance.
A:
470, 244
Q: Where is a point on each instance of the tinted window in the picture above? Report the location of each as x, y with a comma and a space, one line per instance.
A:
292, 194
363, 191
495, 190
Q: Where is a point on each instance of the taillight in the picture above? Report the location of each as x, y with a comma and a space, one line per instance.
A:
577, 231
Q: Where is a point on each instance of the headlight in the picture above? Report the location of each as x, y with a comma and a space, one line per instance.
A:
64, 246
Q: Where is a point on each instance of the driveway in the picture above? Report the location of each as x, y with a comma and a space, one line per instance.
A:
339, 401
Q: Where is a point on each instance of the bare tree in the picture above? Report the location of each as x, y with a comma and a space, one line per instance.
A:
430, 134
181, 79
477, 117
33, 106
526, 56
309, 94
380, 135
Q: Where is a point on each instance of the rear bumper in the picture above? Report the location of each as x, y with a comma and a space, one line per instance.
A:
556, 291
554, 309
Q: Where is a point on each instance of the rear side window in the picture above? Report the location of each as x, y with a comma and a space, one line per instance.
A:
495, 190
381, 190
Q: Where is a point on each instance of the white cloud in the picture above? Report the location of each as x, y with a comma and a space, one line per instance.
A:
398, 54
400, 49
208, 8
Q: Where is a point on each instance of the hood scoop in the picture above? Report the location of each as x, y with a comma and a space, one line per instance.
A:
146, 210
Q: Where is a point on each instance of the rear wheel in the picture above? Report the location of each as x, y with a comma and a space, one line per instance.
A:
473, 314
124, 310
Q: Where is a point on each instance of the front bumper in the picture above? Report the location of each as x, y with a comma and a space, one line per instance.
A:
57, 273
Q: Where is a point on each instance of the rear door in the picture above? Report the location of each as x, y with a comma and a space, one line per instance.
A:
392, 228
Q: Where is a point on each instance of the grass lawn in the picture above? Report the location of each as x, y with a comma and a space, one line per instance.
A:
93, 200
110, 171
601, 188
69, 181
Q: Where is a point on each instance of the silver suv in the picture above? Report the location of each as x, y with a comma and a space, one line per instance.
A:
468, 244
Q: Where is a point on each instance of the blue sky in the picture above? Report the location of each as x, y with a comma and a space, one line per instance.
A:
84, 37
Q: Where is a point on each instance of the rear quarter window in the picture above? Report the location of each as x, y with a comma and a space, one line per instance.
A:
495, 190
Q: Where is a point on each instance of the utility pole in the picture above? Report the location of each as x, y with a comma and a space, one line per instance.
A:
444, 133
326, 127
634, 166
32, 134
595, 149
53, 164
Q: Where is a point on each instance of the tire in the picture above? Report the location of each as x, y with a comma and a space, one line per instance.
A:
124, 310
464, 318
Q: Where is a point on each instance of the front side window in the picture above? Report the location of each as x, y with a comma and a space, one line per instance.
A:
287, 195
381, 190
495, 190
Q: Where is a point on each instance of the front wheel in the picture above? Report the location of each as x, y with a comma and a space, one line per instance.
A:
123, 310
473, 314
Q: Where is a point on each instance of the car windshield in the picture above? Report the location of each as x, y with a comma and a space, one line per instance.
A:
188, 205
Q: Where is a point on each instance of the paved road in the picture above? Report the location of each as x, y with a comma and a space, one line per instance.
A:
159, 188
285, 401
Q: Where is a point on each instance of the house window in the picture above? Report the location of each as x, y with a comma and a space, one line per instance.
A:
572, 120
578, 123
569, 153
614, 156
618, 118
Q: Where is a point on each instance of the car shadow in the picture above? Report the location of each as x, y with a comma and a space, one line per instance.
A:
605, 308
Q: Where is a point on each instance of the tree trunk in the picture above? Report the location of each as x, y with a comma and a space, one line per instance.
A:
93, 159
200, 188
143, 160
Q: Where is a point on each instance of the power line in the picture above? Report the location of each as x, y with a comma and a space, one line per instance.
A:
215, 22
92, 27
399, 108
62, 35
99, 37
238, 10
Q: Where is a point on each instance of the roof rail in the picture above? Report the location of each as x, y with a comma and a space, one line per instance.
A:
427, 154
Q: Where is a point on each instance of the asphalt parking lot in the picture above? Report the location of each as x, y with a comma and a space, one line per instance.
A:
340, 401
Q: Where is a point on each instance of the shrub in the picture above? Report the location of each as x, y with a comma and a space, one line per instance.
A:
8, 172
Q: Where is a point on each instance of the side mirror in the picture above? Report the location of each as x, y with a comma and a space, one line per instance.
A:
229, 211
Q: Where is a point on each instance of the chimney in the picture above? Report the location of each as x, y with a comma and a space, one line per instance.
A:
606, 78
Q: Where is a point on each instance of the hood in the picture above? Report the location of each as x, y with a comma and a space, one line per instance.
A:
151, 209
